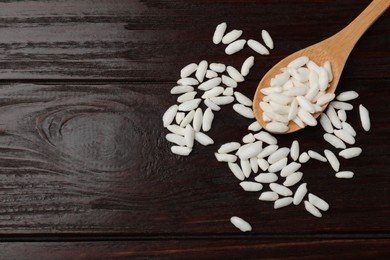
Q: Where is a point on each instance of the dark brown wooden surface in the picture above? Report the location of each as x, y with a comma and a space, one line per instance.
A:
83, 86
208, 249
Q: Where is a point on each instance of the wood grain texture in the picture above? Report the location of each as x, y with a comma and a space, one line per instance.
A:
83, 86
84, 158
210, 249
135, 39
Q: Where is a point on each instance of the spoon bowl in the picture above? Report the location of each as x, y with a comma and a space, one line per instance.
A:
335, 49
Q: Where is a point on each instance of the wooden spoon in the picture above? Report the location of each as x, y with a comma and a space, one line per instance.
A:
335, 49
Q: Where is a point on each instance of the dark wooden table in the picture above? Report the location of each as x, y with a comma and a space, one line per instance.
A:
85, 171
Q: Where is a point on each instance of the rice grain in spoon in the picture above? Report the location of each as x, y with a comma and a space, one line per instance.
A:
334, 49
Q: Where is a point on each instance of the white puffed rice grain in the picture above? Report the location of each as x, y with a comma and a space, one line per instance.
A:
304, 157
244, 111
187, 119
246, 167
225, 157
263, 164
176, 129
268, 196
334, 141
197, 120
186, 97
219, 32
364, 118
279, 165
207, 120
342, 116
181, 89
347, 127
211, 74
350, 152
332, 159
255, 126
267, 39
222, 100
169, 115
217, 67
229, 82
235, 47
300, 193
251, 186
179, 117
176, 139
267, 150
345, 136
294, 150
293, 179
276, 127
283, 202
188, 70
229, 147
254, 164
234, 74
228, 91
318, 202
181, 150
242, 99
201, 71
290, 169
251, 150
316, 156
280, 189
240, 224
312, 209
189, 136
257, 47
249, 138
214, 92
210, 104
203, 139
266, 177
247, 65
231, 36
345, 175
278, 154
187, 82
298, 62
347, 95
236, 170
209, 84
189, 105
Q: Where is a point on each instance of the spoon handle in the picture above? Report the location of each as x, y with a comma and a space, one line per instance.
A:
346, 39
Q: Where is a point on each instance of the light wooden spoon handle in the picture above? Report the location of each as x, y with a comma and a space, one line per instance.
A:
352, 33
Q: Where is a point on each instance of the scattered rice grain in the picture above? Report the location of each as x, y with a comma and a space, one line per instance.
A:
240, 224
247, 65
332, 159
251, 186
258, 47
300, 193
318, 202
268, 196
267, 39
312, 210
364, 118
350, 152
188, 70
181, 150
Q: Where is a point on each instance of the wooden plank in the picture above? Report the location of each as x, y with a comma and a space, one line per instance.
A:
151, 41
92, 159
209, 249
